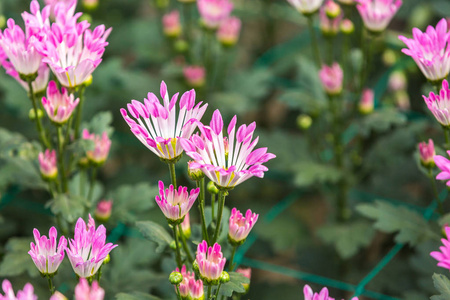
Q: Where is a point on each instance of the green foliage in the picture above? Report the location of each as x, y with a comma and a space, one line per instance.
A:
348, 238
309, 173
381, 120
70, 207
410, 226
234, 285
155, 233
442, 284
136, 296
100, 123
16, 260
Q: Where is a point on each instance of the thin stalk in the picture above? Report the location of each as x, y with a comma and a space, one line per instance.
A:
79, 112
178, 253
99, 274
62, 172
231, 267
366, 45
208, 295
217, 290
82, 182
222, 196
447, 138
314, 44
92, 184
184, 244
51, 287
330, 41
435, 192
173, 176
41, 132
201, 206
178, 292
213, 203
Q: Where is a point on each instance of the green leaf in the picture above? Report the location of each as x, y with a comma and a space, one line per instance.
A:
100, 123
17, 261
442, 284
234, 285
381, 120
348, 239
136, 296
411, 226
308, 80
309, 173
71, 208
300, 99
156, 233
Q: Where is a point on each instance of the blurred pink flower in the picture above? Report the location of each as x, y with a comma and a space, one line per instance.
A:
323, 295
84, 291
239, 226
306, 7
227, 169
377, 14
159, 127
366, 104
247, 272
58, 296
175, 204
186, 226
330, 26
102, 144
427, 153
210, 261
87, 251
439, 104
45, 254
228, 32
443, 256
444, 165
59, 105
171, 24
103, 210
47, 164
194, 75
26, 294
430, 50
214, 12
332, 78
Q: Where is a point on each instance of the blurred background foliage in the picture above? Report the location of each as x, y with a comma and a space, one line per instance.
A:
271, 80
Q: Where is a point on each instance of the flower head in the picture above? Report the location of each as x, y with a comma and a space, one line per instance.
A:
214, 12
210, 262
227, 167
194, 76
88, 250
171, 24
59, 105
196, 289
239, 226
427, 153
159, 127
84, 291
366, 104
102, 144
306, 7
175, 204
332, 78
47, 164
39, 84
103, 210
184, 285
228, 32
26, 294
444, 165
45, 254
439, 104
323, 295
430, 50
443, 257
377, 14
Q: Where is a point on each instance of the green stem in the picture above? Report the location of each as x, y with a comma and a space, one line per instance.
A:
217, 290
184, 244
330, 47
435, 192
99, 274
201, 206
208, 295
222, 196
447, 138
231, 266
82, 182
367, 55
213, 203
79, 112
178, 254
173, 177
314, 44
62, 170
51, 287
178, 292
41, 132
92, 184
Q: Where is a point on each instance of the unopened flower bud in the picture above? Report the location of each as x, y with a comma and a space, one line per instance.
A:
427, 153
175, 278
181, 46
389, 57
228, 32
90, 4
88, 81
194, 171
2, 21
32, 114
107, 259
366, 104
186, 226
103, 210
332, 9
402, 100
85, 17
212, 189
332, 78
195, 266
225, 277
171, 24
347, 26
83, 162
247, 272
397, 81
194, 76
102, 144
47, 165
304, 121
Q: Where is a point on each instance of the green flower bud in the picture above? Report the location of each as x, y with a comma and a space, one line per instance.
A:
225, 277
107, 259
175, 278
181, 46
304, 121
32, 114
2, 21
212, 189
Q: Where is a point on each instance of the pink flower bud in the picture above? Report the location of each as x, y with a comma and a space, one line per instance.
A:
228, 32
90, 4
427, 153
332, 9
239, 226
397, 81
195, 171
214, 12
366, 104
332, 78
196, 289
171, 24
347, 26
186, 226
195, 76
323, 295
102, 144
59, 105
58, 296
329, 26
210, 262
103, 210
47, 164
184, 285
84, 291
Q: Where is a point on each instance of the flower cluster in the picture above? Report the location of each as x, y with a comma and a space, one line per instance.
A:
189, 287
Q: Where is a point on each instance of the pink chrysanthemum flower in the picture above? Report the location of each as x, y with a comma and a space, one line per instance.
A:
227, 161
306, 7
332, 78
171, 24
194, 75
87, 251
443, 257
439, 104
59, 105
228, 32
427, 153
37, 23
102, 144
214, 12
45, 254
430, 50
175, 204
72, 50
196, 289
158, 125
184, 285
39, 84
84, 291
26, 294
444, 165
53, 4
47, 164
239, 226
323, 295
377, 14
210, 261
367, 101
